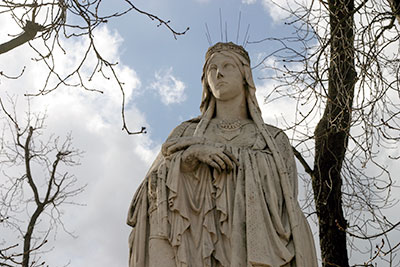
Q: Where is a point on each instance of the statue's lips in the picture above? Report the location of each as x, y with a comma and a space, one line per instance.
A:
219, 84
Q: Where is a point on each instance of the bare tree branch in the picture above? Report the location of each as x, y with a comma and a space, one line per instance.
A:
22, 149
47, 24
342, 58
30, 31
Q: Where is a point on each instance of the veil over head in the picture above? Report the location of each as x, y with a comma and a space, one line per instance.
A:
242, 60
174, 210
207, 108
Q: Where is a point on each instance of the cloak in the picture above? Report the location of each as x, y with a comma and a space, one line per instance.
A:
247, 217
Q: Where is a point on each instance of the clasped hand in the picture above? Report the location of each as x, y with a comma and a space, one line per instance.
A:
197, 150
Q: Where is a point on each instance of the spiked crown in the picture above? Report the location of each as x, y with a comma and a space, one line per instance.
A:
227, 47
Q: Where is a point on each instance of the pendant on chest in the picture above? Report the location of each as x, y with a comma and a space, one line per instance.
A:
229, 134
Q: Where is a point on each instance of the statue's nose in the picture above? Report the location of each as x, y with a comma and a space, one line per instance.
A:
219, 73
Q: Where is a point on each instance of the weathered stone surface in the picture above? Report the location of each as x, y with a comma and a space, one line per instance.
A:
223, 190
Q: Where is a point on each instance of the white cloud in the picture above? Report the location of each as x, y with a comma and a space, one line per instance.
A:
114, 163
276, 8
249, 2
170, 89
281, 9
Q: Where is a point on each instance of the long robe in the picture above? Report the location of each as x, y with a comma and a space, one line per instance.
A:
208, 218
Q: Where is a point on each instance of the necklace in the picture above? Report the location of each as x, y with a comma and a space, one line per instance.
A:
230, 125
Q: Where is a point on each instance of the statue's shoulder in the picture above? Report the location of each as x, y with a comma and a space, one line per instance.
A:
186, 128
276, 132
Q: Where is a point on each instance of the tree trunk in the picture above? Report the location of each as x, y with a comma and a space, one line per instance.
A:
395, 5
28, 235
331, 136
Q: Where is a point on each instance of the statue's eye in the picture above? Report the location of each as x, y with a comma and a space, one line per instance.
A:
229, 66
212, 68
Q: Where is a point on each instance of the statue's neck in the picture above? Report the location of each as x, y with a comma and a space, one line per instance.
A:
232, 109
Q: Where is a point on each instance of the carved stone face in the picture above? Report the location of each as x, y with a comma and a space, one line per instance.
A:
224, 78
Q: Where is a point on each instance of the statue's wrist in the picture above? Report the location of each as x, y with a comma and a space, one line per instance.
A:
189, 161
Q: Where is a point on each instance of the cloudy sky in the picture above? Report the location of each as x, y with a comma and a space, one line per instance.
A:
161, 78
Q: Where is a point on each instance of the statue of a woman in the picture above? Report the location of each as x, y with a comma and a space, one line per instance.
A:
223, 190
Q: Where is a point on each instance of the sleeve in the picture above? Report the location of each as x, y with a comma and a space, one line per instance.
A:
148, 187
288, 157
140, 199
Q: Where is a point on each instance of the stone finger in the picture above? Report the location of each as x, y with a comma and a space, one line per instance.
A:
215, 166
220, 161
166, 146
177, 146
232, 157
228, 162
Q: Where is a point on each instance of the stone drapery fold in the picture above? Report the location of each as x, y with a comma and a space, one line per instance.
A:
240, 218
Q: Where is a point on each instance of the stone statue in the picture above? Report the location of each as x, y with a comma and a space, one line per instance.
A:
223, 190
